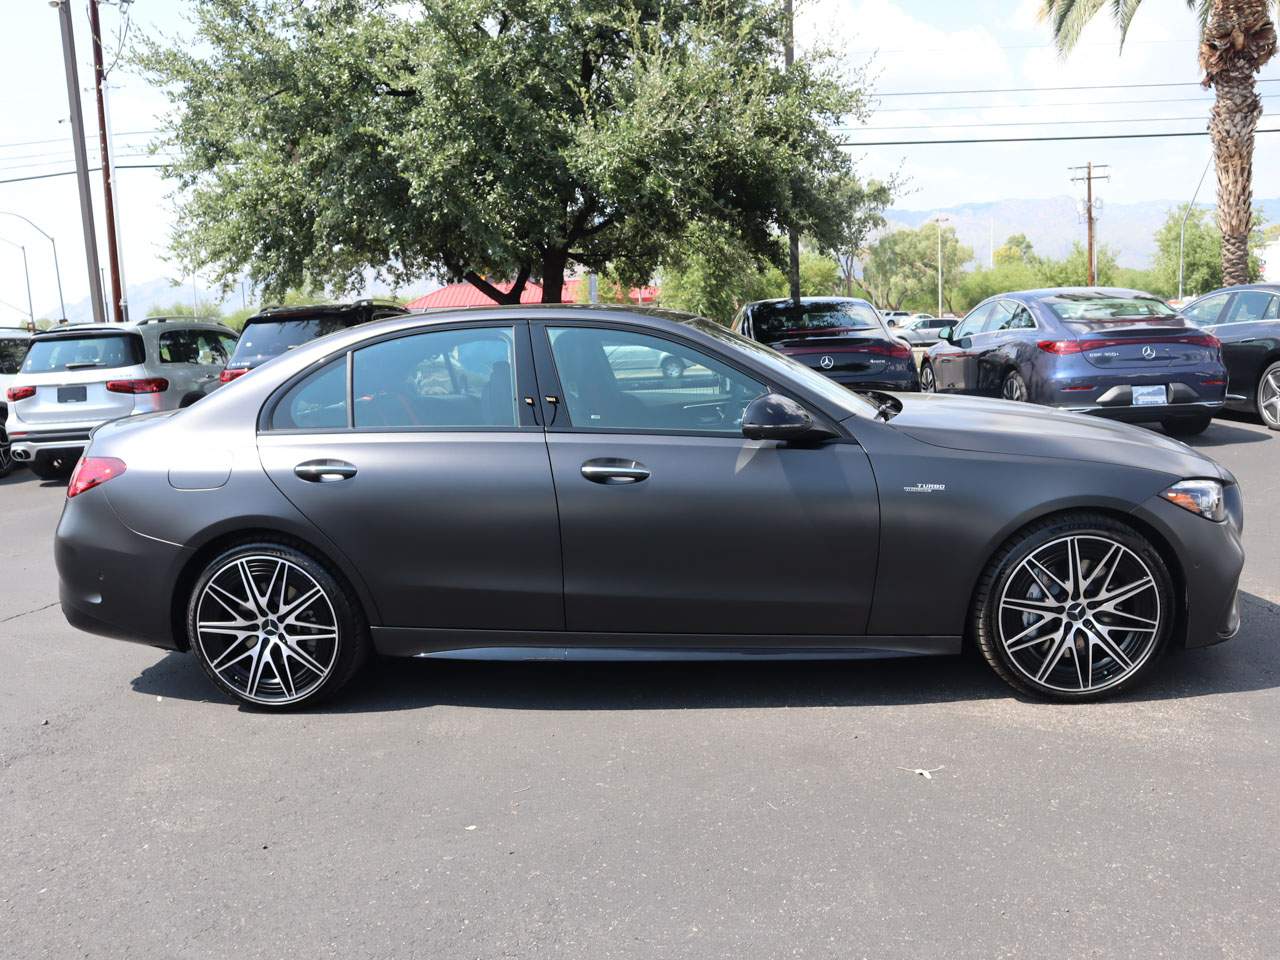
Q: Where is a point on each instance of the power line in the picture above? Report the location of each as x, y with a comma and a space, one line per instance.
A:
1060, 103
1095, 86
1027, 123
72, 173
1086, 136
35, 143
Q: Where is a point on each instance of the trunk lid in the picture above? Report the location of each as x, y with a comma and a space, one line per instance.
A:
1136, 345
837, 351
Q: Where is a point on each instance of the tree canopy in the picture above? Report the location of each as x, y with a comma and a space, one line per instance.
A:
507, 138
901, 268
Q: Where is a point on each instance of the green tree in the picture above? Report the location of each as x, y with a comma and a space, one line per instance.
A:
510, 138
1201, 252
1237, 38
901, 268
1016, 249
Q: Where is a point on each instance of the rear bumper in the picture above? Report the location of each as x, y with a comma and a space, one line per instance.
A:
112, 581
1149, 414
68, 440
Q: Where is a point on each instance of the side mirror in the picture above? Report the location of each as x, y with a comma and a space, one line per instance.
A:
945, 333
775, 417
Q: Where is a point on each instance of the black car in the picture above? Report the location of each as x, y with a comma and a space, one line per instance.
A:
495, 482
1247, 321
277, 330
842, 337
1122, 354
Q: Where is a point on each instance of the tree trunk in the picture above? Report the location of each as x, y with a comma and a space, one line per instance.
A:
553, 266
1238, 39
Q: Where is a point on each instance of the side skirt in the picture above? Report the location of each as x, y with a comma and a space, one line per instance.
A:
564, 645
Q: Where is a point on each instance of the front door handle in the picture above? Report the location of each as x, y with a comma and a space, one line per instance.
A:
1245, 340
612, 470
324, 471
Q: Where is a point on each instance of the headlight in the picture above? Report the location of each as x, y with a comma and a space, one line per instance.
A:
1204, 497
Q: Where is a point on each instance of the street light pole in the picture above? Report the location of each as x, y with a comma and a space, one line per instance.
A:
82, 160
27, 273
1182, 231
57, 270
938, 222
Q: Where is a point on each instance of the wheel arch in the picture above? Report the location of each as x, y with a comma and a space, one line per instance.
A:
220, 542
1158, 542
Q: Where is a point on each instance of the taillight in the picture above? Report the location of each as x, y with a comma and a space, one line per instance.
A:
226, 376
894, 348
20, 393
1202, 340
92, 472
1060, 347
147, 385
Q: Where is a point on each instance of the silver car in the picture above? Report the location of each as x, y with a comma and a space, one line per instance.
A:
81, 375
13, 346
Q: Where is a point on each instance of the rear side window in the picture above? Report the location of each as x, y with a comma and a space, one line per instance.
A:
1252, 305
459, 379
317, 402
88, 352
265, 339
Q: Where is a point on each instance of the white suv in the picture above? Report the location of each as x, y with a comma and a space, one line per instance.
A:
13, 345
80, 375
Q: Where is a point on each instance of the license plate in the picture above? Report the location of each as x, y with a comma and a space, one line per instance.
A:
71, 395
1155, 396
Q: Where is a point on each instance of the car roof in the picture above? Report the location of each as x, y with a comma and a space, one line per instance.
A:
1267, 287
295, 311
133, 326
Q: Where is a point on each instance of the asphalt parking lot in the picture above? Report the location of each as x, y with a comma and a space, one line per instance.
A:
447, 809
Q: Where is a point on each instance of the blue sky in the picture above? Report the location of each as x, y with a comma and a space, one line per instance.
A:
906, 45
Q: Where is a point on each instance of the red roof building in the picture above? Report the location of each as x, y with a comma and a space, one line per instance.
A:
467, 295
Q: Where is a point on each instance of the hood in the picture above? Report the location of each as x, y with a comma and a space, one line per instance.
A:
1023, 429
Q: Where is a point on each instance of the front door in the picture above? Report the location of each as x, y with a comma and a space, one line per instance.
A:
425, 465
671, 522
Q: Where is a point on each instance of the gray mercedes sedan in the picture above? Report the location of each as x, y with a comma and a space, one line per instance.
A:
491, 482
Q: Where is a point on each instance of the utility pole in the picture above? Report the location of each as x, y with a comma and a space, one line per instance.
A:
82, 161
1088, 179
939, 220
793, 236
108, 194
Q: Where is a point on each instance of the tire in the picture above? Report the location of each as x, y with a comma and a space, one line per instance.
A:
672, 368
1047, 654
51, 468
273, 648
1268, 394
1186, 426
6, 458
1014, 388
928, 383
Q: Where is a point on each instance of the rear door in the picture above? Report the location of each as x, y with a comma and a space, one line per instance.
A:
420, 455
71, 373
672, 522
1250, 333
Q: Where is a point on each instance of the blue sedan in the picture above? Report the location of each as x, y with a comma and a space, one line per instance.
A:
1121, 354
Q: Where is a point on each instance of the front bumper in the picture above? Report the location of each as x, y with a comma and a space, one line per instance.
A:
1210, 558
112, 581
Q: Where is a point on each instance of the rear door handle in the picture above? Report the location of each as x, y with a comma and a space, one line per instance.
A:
613, 470
1245, 340
324, 471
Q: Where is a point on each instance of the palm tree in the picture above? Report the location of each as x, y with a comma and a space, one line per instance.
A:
1237, 38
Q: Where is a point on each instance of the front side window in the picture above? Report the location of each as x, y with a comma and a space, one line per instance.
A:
461, 379
11, 353
317, 402
1252, 305
622, 380
974, 322
1207, 311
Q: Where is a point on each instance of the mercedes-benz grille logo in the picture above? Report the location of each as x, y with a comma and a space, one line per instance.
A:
1149, 352
826, 363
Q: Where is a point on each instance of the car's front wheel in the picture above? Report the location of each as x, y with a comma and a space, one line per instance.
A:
1074, 608
928, 384
1186, 426
1269, 396
274, 628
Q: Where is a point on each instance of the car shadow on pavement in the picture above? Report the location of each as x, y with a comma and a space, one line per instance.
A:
1222, 434
1249, 662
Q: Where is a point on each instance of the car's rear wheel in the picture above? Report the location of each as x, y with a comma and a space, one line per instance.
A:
274, 628
672, 368
1269, 396
1186, 426
927, 382
6, 458
1074, 608
1014, 387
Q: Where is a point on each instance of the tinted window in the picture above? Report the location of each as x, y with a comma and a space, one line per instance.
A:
778, 321
974, 322
84, 353
446, 378
178, 346
318, 402
1206, 311
1252, 305
11, 353
1013, 316
264, 339
616, 379
1094, 307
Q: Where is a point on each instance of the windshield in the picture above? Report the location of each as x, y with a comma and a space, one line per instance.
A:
777, 321
11, 353
812, 380
86, 352
1086, 307
265, 339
